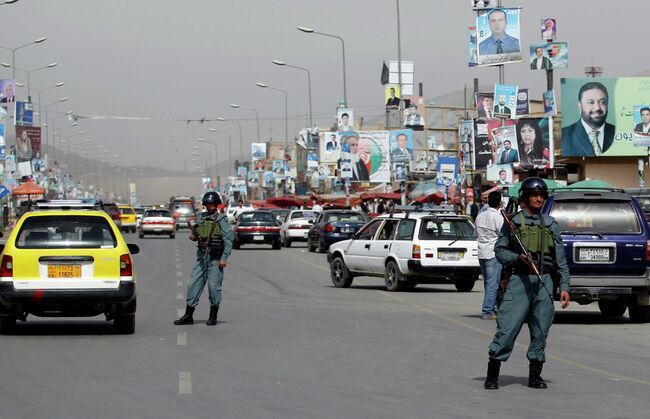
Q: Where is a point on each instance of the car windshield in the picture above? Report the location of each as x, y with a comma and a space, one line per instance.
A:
157, 213
309, 215
65, 232
257, 216
127, 210
596, 217
183, 207
441, 229
344, 217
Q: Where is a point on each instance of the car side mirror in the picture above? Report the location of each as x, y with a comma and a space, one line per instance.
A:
2, 248
310, 221
134, 249
355, 236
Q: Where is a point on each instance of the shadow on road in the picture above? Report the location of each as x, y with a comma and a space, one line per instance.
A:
63, 328
510, 380
419, 289
583, 317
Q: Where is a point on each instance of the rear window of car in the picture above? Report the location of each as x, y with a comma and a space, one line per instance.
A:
182, 207
309, 215
344, 217
441, 229
127, 210
644, 202
257, 216
596, 217
65, 232
157, 213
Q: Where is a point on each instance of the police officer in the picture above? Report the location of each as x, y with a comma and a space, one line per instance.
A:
526, 298
215, 239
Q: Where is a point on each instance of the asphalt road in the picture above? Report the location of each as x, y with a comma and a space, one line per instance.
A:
290, 345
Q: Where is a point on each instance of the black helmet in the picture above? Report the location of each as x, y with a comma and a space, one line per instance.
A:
211, 198
533, 184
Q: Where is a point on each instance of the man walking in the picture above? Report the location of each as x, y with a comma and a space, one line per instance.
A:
215, 239
487, 227
528, 298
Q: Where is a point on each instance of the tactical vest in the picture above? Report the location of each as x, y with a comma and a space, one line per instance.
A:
209, 230
535, 237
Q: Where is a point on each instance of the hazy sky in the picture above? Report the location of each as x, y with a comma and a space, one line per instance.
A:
188, 59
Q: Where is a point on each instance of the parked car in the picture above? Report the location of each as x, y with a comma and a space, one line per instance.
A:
67, 261
183, 212
258, 227
114, 212
128, 218
333, 226
410, 248
280, 213
607, 245
295, 226
157, 221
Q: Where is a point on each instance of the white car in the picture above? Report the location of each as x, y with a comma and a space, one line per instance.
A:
431, 246
158, 221
232, 211
296, 225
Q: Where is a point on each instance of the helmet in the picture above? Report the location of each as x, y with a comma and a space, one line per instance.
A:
533, 184
211, 198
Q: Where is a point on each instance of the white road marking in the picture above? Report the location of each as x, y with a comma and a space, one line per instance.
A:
179, 295
181, 338
184, 382
178, 266
179, 273
179, 283
180, 312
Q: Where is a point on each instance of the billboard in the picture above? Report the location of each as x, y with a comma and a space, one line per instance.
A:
392, 96
330, 147
28, 142
486, 146
505, 98
345, 119
368, 151
505, 138
401, 145
253, 178
24, 113
278, 169
7, 88
549, 55
535, 142
548, 29
485, 105
499, 173
258, 151
598, 116
414, 109
498, 36
447, 170
466, 135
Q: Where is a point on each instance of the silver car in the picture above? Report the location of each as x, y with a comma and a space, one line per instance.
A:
157, 221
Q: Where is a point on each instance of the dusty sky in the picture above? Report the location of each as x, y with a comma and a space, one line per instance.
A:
188, 59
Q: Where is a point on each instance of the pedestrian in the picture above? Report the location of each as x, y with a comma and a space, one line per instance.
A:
528, 297
380, 207
487, 227
215, 237
474, 208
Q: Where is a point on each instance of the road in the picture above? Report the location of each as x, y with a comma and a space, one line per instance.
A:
290, 345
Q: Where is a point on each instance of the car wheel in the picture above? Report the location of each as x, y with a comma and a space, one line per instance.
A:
276, 245
287, 242
464, 285
172, 236
322, 248
310, 246
393, 276
235, 244
638, 314
612, 308
341, 276
125, 324
7, 324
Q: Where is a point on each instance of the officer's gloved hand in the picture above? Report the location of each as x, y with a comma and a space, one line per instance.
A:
192, 237
523, 262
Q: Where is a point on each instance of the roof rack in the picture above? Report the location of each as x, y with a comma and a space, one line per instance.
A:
436, 209
588, 188
65, 204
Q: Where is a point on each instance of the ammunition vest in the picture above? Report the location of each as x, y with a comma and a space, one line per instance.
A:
209, 230
535, 237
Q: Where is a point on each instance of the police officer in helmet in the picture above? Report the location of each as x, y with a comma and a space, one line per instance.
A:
527, 298
214, 235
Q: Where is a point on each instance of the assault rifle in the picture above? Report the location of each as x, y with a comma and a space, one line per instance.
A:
201, 242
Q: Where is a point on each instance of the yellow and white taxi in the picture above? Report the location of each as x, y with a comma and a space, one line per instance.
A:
67, 259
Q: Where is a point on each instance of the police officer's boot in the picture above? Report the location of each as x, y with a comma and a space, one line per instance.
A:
212, 320
492, 379
535, 380
186, 318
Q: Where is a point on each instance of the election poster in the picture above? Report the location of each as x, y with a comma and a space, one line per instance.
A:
392, 95
345, 119
447, 170
369, 153
598, 115
278, 169
472, 54
505, 97
346, 169
498, 36
485, 105
550, 55
242, 171
484, 4
28, 142
399, 170
330, 147
401, 145
534, 143
258, 151
523, 106
500, 173
414, 111
267, 180
7, 88
641, 120
254, 178
548, 29
24, 113
505, 139
312, 158
548, 98
466, 135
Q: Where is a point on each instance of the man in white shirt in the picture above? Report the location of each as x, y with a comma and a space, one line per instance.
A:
487, 227
316, 206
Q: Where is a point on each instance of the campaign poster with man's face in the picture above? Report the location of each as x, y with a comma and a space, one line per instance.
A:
500, 173
505, 100
505, 139
597, 115
369, 153
548, 29
10, 163
258, 151
401, 145
399, 170
312, 158
267, 180
346, 169
242, 171
534, 143
641, 122
548, 56
330, 147
28, 142
414, 111
472, 53
485, 105
548, 99
498, 35
7, 89
392, 96
24, 113
278, 169
483, 4
345, 119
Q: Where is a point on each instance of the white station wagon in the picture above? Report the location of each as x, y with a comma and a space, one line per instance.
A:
417, 246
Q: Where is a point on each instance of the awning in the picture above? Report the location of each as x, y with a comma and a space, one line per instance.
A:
28, 188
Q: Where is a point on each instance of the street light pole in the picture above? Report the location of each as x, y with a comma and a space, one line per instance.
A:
29, 76
282, 63
311, 30
229, 172
47, 131
241, 138
286, 109
216, 155
13, 52
40, 91
257, 116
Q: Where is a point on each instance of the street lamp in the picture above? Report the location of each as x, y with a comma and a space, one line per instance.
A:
40, 92
286, 107
29, 76
241, 140
282, 63
13, 52
47, 131
311, 30
229, 148
257, 116
216, 154
8, 2
207, 152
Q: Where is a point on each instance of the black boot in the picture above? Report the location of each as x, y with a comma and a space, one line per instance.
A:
212, 320
492, 379
187, 317
535, 380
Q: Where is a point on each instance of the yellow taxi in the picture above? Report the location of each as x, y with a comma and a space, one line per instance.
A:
128, 217
67, 259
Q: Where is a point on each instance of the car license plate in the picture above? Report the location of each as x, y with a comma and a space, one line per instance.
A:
64, 271
450, 256
157, 230
347, 230
597, 254
260, 238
